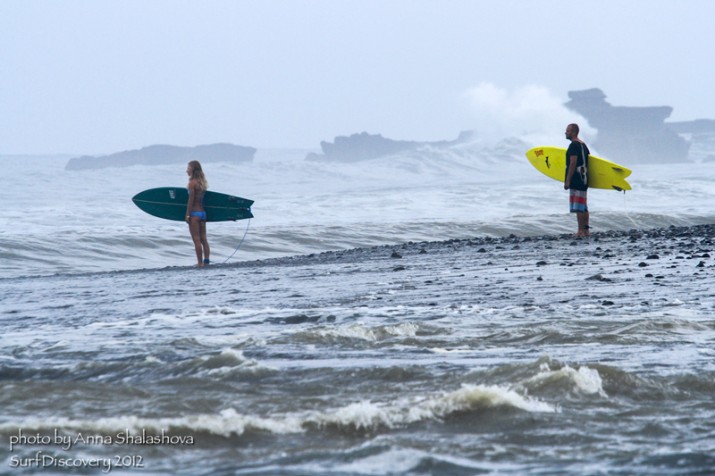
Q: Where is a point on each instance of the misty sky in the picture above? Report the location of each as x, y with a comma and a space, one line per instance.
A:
100, 76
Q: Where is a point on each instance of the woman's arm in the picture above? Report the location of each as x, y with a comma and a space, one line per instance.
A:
192, 197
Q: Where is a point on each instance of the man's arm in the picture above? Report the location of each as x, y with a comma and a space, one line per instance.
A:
571, 170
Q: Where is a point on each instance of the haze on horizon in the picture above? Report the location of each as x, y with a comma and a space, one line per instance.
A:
93, 77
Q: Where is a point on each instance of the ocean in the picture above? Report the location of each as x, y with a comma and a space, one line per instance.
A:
425, 313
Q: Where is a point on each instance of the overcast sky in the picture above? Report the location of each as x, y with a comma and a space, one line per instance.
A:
100, 76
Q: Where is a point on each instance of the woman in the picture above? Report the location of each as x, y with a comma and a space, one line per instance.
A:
195, 213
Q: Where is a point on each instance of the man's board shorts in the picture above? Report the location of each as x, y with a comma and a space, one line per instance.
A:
577, 201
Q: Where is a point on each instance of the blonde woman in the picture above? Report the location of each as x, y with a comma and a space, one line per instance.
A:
195, 213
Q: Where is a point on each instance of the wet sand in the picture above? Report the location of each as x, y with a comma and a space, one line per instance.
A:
610, 269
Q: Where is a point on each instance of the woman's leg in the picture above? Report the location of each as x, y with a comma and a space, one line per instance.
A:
195, 230
204, 240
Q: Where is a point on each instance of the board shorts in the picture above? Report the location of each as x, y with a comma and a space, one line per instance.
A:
577, 201
201, 215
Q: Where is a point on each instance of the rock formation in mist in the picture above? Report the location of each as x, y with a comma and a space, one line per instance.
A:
366, 146
165, 154
636, 134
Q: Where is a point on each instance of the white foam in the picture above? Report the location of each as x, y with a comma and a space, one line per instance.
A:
395, 460
532, 111
406, 329
226, 423
483, 396
398, 460
366, 333
370, 415
362, 415
230, 360
355, 331
585, 380
441, 350
589, 381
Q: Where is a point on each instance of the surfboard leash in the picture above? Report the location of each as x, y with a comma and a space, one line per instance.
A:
240, 242
628, 215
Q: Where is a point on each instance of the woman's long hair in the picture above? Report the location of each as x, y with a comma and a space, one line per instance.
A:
197, 174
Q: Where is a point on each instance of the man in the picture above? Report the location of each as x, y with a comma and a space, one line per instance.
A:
576, 178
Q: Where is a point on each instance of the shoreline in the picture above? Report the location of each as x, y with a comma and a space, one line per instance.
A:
637, 272
706, 233
645, 242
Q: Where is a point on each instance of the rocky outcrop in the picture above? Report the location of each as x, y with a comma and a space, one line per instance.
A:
636, 134
165, 154
366, 146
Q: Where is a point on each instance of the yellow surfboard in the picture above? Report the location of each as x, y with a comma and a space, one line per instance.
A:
602, 173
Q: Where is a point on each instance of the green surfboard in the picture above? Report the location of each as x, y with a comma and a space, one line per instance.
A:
170, 203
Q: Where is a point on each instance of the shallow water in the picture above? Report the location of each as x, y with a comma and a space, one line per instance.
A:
455, 360
475, 356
